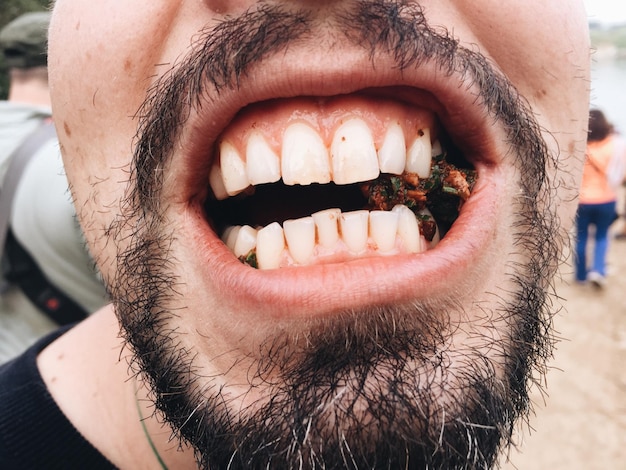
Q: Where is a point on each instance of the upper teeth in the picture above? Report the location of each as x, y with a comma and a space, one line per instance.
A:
304, 158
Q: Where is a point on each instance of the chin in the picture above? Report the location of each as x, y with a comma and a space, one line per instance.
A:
437, 383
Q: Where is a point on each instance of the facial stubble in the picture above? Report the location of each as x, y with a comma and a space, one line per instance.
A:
367, 389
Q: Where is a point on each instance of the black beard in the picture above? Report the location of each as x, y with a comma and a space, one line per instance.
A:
371, 389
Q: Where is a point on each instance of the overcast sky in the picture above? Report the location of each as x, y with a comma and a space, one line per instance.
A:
606, 11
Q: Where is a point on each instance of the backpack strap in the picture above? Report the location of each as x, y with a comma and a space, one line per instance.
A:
17, 163
22, 268
24, 272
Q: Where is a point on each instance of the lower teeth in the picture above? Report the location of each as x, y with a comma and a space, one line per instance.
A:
355, 233
423, 209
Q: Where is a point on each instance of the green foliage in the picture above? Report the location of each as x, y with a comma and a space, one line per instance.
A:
12, 9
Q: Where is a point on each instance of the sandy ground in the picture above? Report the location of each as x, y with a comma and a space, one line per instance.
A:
580, 421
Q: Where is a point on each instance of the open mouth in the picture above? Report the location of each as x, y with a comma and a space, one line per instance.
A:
340, 178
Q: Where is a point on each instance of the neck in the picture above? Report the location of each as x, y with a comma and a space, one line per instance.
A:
30, 86
114, 407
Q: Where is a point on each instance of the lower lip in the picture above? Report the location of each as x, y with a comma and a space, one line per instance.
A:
323, 289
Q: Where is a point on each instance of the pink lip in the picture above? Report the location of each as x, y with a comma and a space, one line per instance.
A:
324, 289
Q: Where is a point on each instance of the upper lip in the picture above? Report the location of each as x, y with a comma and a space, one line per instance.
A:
324, 289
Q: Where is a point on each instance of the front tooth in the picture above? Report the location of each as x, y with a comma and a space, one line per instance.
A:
420, 154
392, 154
383, 229
354, 230
304, 157
408, 229
354, 153
217, 183
245, 241
270, 244
300, 236
327, 229
234, 173
262, 163
230, 235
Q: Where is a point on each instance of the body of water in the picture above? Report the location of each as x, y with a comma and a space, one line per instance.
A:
608, 91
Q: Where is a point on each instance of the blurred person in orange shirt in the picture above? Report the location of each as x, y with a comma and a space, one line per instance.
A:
602, 174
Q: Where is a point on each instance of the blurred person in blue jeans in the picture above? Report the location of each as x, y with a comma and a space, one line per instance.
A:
602, 173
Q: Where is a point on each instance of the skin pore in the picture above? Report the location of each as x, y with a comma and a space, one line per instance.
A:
418, 361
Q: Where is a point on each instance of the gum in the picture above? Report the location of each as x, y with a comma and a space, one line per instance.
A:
325, 115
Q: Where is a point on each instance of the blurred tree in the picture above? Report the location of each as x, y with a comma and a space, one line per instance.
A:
10, 10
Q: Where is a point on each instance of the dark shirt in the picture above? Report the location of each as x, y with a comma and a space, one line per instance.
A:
34, 432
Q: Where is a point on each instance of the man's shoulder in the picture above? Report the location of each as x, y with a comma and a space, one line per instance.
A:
11, 112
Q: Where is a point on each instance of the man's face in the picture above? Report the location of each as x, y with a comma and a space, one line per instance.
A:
194, 133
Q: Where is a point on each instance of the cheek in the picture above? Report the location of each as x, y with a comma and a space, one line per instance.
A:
543, 49
102, 58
